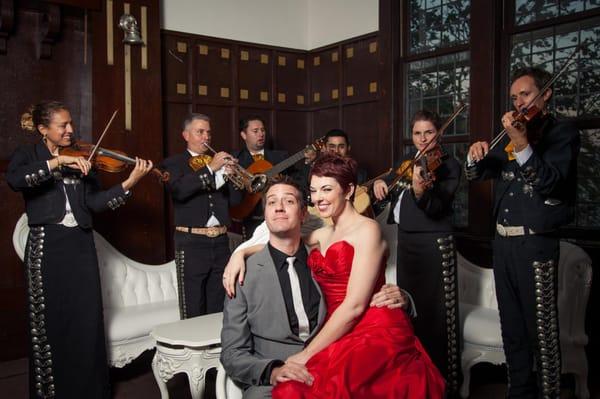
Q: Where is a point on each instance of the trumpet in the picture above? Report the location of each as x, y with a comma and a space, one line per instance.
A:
241, 178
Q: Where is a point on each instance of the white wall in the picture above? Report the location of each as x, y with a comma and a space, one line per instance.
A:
273, 22
331, 21
300, 24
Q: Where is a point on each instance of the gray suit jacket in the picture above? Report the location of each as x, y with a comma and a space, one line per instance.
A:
256, 328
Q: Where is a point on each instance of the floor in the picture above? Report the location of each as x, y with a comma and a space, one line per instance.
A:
136, 381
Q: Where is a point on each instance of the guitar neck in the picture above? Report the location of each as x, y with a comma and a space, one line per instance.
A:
286, 163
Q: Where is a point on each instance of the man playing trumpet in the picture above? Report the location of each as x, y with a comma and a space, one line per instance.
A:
201, 198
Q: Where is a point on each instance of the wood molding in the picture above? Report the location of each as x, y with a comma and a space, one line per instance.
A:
49, 30
7, 20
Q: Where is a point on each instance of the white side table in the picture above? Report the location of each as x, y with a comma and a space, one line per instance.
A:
190, 346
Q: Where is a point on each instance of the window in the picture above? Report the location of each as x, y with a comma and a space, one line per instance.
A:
527, 11
439, 82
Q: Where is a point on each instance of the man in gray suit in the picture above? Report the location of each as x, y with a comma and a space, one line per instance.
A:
279, 307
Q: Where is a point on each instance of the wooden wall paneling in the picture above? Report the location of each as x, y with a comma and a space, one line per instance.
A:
360, 71
325, 77
174, 114
291, 79
221, 124
177, 55
324, 120
255, 77
213, 72
26, 80
292, 130
364, 135
129, 228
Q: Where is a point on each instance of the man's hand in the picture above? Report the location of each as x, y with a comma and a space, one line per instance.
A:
391, 296
219, 159
478, 150
291, 371
380, 189
517, 131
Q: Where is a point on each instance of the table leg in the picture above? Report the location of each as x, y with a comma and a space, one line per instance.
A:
197, 381
162, 386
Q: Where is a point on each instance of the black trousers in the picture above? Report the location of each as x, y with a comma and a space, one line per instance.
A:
427, 270
525, 272
67, 357
200, 263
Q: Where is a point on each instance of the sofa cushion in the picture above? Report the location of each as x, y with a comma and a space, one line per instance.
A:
137, 321
481, 326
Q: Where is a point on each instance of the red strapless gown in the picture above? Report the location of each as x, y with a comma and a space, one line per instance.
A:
379, 358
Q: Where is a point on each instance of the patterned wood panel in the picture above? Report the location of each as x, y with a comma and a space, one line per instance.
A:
325, 77
292, 130
176, 63
360, 74
325, 120
291, 78
255, 74
213, 71
222, 125
361, 125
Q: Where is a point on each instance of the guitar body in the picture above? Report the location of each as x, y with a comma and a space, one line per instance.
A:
245, 208
362, 201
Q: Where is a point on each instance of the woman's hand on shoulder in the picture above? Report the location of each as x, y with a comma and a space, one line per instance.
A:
235, 270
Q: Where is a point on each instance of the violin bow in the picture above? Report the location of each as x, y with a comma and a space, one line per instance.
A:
93, 152
523, 111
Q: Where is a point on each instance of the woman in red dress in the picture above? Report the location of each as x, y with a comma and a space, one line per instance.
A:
360, 352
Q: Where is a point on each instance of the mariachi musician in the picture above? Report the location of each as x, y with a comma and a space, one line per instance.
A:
426, 254
534, 170
253, 133
67, 358
200, 196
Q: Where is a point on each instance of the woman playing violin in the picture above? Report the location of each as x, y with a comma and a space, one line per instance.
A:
67, 357
425, 255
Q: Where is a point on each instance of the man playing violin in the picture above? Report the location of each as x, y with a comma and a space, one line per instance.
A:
254, 135
534, 172
425, 253
200, 198
64, 302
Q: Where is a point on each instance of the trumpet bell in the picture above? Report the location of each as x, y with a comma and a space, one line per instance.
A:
258, 183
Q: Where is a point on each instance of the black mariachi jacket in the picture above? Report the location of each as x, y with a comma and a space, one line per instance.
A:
194, 194
44, 191
433, 211
548, 178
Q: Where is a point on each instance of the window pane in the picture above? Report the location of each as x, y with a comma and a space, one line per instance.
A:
588, 180
438, 23
439, 84
527, 11
461, 198
577, 91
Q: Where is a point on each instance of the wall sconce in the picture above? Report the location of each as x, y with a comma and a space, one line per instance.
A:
130, 26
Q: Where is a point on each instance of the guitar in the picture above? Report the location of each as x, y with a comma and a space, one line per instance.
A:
241, 211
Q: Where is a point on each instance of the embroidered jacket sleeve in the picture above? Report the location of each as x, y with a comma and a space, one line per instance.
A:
550, 164
185, 184
24, 172
99, 200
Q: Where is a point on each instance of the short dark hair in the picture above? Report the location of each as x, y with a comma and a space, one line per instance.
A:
337, 133
540, 76
244, 122
342, 169
288, 181
426, 115
194, 117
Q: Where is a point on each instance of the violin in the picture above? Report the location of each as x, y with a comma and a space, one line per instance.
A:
112, 161
531, 113
429, 159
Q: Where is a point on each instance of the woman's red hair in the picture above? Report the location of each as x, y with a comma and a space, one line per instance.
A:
342, 169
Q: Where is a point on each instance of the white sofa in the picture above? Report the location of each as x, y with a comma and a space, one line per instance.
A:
136, 297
